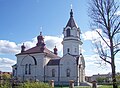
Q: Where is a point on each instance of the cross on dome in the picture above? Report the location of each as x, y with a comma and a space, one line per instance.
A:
41, 33
71, 13
71, 6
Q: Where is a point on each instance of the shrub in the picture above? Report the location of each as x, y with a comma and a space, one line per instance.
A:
33, 85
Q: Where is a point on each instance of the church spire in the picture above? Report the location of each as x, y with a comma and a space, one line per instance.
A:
71, 23
71, 41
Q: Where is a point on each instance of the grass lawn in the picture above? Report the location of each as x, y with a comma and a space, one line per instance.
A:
88, 87
75, 87
107, 87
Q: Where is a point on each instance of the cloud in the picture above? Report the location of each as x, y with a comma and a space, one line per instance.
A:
52, 41
93, 61
91, 69
95, 38
117, 13
30, 44
8, 47
95, 65
91, 35
6, 63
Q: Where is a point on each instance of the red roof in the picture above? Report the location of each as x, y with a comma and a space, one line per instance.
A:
37, 49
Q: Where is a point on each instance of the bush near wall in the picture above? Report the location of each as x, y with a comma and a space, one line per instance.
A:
26, 85
33, 85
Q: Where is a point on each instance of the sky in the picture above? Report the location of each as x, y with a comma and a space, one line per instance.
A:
21, 21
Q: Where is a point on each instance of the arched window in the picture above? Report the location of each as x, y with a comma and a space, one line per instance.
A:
29, 68
68, 73
68, 50
26, 68
68, 32
53, 72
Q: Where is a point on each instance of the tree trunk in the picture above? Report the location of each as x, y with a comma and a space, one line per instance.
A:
113, 75
112, 61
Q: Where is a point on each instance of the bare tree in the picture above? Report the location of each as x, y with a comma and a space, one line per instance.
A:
104, 16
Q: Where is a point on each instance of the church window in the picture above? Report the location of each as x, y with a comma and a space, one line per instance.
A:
75, 50
29, 68
68, 72
26, 68
13, 72
53, 72
68, 32
78, 33
68, 50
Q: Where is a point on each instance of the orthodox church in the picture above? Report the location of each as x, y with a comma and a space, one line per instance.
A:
41, 64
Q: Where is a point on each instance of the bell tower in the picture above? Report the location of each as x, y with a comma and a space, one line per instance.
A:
71, 41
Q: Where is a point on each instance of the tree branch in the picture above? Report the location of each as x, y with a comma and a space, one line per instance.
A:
116, 45
116, 51
116, 29
103, 39
105, 60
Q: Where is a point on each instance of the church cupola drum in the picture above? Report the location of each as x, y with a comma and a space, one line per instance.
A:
71, 41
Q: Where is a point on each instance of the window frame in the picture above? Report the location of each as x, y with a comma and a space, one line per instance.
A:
68, 32
29, 68
67, 72
26, 66
53, 72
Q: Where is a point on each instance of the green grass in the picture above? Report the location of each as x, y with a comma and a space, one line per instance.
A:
75, 87
105, 86
27, 85
34, 85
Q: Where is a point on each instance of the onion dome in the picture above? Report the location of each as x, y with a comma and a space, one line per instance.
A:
40, 40
55, 50
22, 48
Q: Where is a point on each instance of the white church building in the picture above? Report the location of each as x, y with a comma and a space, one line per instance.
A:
39, 63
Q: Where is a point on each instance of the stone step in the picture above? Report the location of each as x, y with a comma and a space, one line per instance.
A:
85, 84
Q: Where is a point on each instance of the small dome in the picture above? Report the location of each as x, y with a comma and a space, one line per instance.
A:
40, 40
55, 50
22, 48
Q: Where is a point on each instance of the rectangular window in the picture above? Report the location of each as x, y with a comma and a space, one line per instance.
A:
68, 72
53, 72
68, 32
26, 69
29, 68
